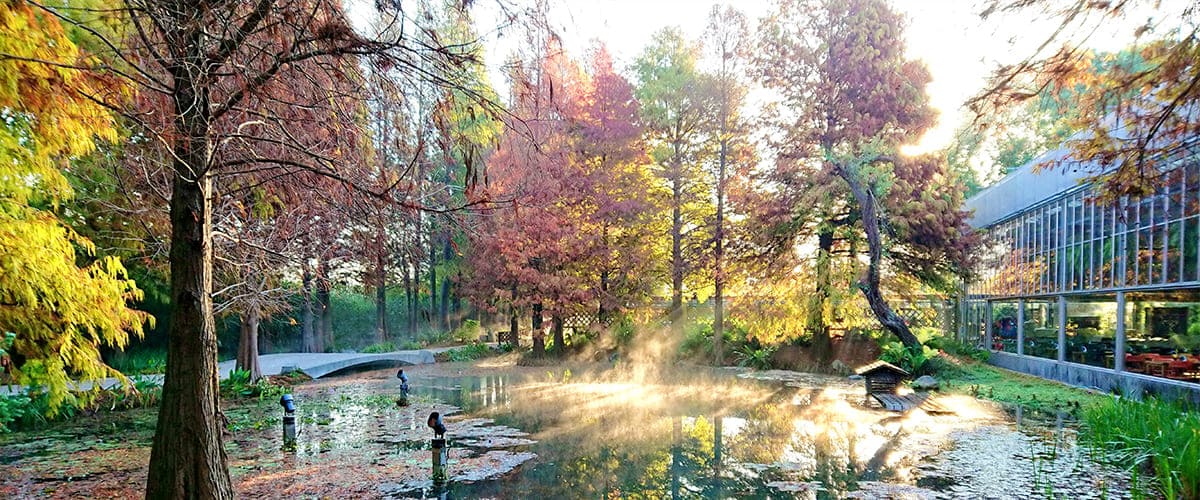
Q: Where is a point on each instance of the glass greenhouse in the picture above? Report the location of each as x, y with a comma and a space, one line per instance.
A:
1065, 276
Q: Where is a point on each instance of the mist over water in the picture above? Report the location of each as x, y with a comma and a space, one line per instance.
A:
659, 431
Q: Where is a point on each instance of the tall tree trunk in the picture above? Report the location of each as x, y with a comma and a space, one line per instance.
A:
718, 433
409, 302
869, 285
187, 460
676, 454
719, 249
538, 335
560, 343
822, 346
513, 324
414, 313
381, 323
603, 312
433, 288
325, 307
247, 358
308, 335
447, 255
459, 311
677, 244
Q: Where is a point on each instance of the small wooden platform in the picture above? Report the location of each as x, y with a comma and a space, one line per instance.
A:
907, 402
895, 402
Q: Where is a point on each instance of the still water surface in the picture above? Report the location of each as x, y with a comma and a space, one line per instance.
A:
699, 433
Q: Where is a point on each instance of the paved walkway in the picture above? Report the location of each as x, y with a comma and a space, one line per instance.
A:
315, 365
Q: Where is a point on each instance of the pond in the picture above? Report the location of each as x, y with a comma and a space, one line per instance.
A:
699, 433
591, 431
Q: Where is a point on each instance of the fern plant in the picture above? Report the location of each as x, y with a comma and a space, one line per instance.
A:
750, 357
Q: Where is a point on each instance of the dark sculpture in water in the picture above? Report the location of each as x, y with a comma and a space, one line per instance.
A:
435, 423
403, 401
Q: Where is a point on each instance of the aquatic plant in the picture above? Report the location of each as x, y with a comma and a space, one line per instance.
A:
1159, 437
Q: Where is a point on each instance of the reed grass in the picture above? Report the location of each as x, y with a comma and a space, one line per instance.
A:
1157, 437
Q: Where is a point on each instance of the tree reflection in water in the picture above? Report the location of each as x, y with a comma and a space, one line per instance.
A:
691, 435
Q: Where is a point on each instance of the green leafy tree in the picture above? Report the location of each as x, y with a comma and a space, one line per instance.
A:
678, 108
728, 42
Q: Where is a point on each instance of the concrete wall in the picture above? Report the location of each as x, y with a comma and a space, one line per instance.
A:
1134, 385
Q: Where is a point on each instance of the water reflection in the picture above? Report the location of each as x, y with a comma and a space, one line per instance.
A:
710, 435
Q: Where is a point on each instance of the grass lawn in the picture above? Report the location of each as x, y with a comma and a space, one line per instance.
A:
984, 381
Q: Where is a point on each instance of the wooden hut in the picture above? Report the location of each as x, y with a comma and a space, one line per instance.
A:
883, 382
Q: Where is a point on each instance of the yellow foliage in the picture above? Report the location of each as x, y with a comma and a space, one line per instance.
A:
60, 312
42, 100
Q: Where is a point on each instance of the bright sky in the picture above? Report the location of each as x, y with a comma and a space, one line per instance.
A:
959, 48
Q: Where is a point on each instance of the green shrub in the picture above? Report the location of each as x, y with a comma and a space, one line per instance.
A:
698, 339
381, 347
468, 331
929, 336
13, 409
942, 366
411, 345
960, 349
238, 385
6, 343
148, 392
623, 330
431, 338
936, 339
144, 362
1189, 342
29, 411
469, 352
1158, 436
758, 358
913, 360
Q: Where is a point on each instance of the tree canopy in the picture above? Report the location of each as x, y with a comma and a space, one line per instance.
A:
62, 303
1131, 109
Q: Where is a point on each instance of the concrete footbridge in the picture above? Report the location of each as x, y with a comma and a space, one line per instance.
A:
317, 365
